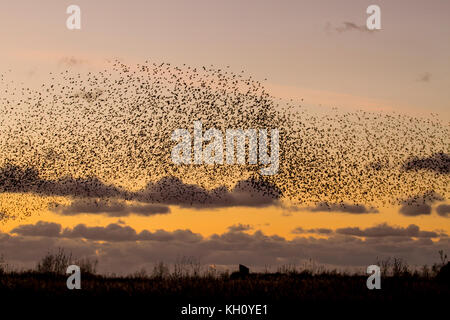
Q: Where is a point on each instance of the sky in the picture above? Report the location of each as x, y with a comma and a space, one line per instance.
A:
294, 44
316, 52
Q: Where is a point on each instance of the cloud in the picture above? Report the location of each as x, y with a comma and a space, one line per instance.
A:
300, 230
350, 26
249, 193
424, 77
177, 235
168, 190
41, 228
419, 204
438, 162
17, 179
381, 230
342, 207
239, 227
110, 207
121, 249
413, 210
384, 230
113, 232
90, 95
443, 210
71, 61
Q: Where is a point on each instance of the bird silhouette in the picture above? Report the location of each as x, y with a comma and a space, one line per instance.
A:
113, 126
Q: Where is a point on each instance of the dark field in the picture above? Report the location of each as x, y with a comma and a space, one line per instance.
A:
287, 293
265, 287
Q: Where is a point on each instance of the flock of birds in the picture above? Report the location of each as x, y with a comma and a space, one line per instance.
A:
115, 125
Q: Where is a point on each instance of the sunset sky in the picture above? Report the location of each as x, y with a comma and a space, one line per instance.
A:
314, 52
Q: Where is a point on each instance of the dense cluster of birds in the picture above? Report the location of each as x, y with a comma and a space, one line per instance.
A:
114, 126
